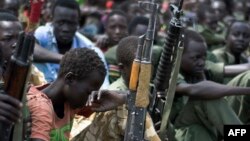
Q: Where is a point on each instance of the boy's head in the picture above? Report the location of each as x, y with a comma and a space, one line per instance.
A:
206, 15
219, 6
132, 9
9, 31
83, 72
194, 54
46, 11
11, 5
65, 20
238, 37
138, 26
116, 26
125, 53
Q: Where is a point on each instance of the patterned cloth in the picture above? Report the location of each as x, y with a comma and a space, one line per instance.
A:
114, 71
110, 126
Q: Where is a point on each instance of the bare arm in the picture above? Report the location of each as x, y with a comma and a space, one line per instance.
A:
233, 70
209, 90
42, 55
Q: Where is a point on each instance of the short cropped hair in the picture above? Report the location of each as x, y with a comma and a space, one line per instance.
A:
139, 20
81, 62
71, 4
191, 35
202, 10
126, 50
117, 12
6, 15
234, 22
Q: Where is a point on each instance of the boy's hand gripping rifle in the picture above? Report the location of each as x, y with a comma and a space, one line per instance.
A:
18, 72
140, 79
167, 71
15, 80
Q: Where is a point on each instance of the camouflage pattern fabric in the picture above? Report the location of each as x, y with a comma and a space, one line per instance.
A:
110, 126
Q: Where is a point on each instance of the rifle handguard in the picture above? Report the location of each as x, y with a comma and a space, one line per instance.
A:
142, 97
134, 76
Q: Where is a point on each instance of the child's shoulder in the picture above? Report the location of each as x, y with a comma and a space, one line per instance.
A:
41, 113
36, 98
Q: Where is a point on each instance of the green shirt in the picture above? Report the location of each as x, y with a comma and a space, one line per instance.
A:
114, 71
211, 57
241, 104
119, 84
197, 120
81, 1
213, 39
213, 72
227, 58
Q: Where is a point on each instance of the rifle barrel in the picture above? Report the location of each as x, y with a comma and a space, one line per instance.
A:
180, 5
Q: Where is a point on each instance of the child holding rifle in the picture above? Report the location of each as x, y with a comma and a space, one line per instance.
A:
202, 109
110, 126
9, 31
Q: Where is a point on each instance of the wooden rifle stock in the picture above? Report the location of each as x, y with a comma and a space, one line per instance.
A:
138, 99
16, 76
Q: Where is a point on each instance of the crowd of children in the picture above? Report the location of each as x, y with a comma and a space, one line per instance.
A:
86, 48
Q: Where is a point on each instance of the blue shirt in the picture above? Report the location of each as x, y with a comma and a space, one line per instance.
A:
46, 39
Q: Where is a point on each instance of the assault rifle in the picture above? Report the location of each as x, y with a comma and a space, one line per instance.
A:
17, 72
15, 79
140, 79
167, 72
